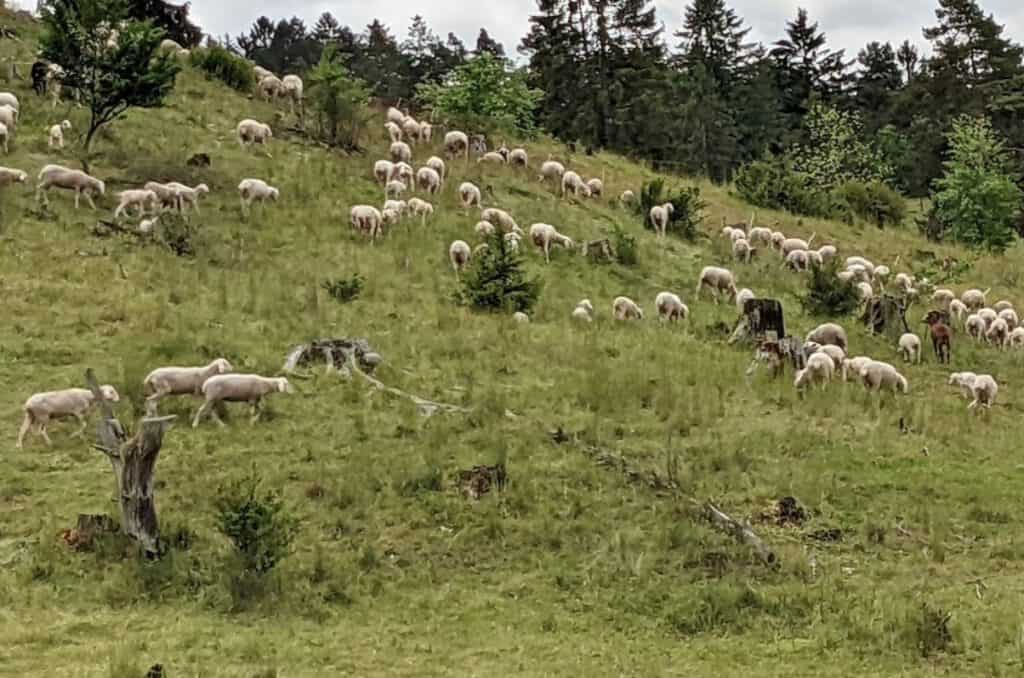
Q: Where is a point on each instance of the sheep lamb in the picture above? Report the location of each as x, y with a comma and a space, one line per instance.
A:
55, 176
171, 381
238, 388
41, 408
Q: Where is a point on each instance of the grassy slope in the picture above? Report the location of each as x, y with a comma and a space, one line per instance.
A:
573, 570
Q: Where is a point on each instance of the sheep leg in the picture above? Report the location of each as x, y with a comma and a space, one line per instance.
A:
200, 412
26, 426
46, 436
84, 423
88, 196
78, 194
254, 409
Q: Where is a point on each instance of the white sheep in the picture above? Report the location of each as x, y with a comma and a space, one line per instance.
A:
394, 131
252, 132
188, 195
797, 260
760, 235
660, 216
395, 116
166, 196
56, 139
943, 297
984, 390
367, 220
975, 326
239, 388
421, 208
552, 170
627, 197
827, 252
9, 117
624, 308
777, 239
470, 195
670, 307
9, 99
501, 219
146, 226
269, 87
492, 158
259, 72
998, 333
390, 216
1017, 338
456, 143
791, 244
544, 235
737, 234
829, 334
520, 318
865, 291
988, 315
426, 132
518, 158
437, 164
854, 366
1011, 318
10, 176
964, 381
459, 254
399, 206
819, 370
41, 408
141, 198
428, 180
1003, 305
394, 189
837, 354
400, 152
170, 381
584, 311
877, 375
974, 299
958, 310
860, 261
403, 172
55, 176
256, 190
573, 182
4, 138
742, 297
596, 187
742, 251
910, 347
411, 129
512, 241
382, 170
485, 229
903, 281
717, 280
292, 89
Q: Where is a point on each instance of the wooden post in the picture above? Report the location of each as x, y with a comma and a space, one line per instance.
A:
134, 462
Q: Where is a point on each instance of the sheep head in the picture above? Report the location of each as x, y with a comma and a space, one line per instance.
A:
202, 189
66, 124
283, 386
222, 366
110, 393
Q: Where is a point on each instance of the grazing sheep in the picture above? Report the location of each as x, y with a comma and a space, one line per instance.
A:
367, 220
737, 234
56, 138
827, 252
988, 315
627, 197
72, 402
975, 326
411, 129
403, 172
492, 157
426, 132
512, 240
1003, 306
670, 307
797, 260
4, 137
584, 311
903, 281
399, 206
742, 251
428, 180
238, 388
168, 381
814, 259
259, 72
596, 187
518, 158
9, 99
390, 216
552, 170
269, 87
660, 216
880, 275
1017, 338
543, 235
865, 291
854, 366
484, 229
777, 239
998, 333
55, 176
146, 226
459, 254
140, 198
860, 261
395, 116
499, 218
837, 354
717, 280
470, 195
910, 347
760, 235
829, 334
456, 143
437, 164
984, 390
400, 152
877, 375
251, 132
572, 182
394, 189
793, 244
742, 297
382, 170
10, 176
958, 310
943, 297
421, 208
521, 318
9, 117
292, 89
624, 308
819, 370
188, 195
974, 299
394, 131
256, 190
859, 273
942, 336
1010, 316
964, 381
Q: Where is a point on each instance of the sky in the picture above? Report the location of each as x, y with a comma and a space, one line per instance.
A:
848, 24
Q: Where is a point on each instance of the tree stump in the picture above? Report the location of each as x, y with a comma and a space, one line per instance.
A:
134, 463
762, 320
886, 314
600, 251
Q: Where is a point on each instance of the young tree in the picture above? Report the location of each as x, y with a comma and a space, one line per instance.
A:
337, 100
109, 79
835, 152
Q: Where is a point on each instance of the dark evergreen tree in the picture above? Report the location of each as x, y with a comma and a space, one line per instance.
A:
908, 59
876, 84
485, 44
807, 67
173, 19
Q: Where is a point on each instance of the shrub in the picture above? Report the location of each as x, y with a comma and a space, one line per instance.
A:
224, 65
337, 101
774, 184
827, 295
624, 244
258, 525
495, 280
873, 202
688, 207
929, 630
344, 290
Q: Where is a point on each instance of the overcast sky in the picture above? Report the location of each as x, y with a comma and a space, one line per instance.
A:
848, 24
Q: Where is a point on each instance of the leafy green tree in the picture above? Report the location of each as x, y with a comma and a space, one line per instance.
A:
337, 101
978, 200
484, 91
835, 152
109, 76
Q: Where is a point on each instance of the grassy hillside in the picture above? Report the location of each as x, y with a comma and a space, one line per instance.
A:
576, 569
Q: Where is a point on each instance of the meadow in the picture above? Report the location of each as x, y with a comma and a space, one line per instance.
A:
908, 563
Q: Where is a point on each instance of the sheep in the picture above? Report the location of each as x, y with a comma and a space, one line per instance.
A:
910, 347
796, 260
984, 390
499, 218
793, 244
459, 254
670, 307
819, 370
140, 198
390, 216
291, 88
584, 311
251, 132
1003, 305
574, 182
146, 226
974, 299
484, 229
256, 190
166, 196
943, 297
854, 366
403, 172
859, 273
437, 164
382, 170
9, 99
456, 143
394, 131
998, 333
470, 195
512, 240
958, 310
54, 79
235, 388
660, 216
837, 354
73, 402
742, 297
814, 259
627, 197
168, 46
428, 180
269, 87
395, 116
988, 315
963, 381
551, 169
741, 250
168, 381
56, 138
829, 334
903, 281
394, 189
4, 137
9, 117
55, 176
880, 274
1017, 338
367, 220
10, 176
188, 195
411, 129
760, 236
942, 336
865, 291
860, 261
975, 326
400, 152
717, 280
827, 252
259, 72
543, 235
777, 239
521, 318
492, 158
421, 208
426, 132
1011, 318
877, 375
399, 206
624, 308
596, 187
518, 158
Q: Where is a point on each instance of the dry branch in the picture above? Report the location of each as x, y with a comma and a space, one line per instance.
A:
740, 531
426, 407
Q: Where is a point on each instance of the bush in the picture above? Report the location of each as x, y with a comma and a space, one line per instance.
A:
224, 65
337, 101
495, 280
688, 207
258, 525
624, 244
827, 295
873, 202
344, 290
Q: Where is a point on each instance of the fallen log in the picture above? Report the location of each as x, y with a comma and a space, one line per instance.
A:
427, 408
740, 531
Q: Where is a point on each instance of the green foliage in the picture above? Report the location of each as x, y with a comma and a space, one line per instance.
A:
627, 252
258, 525
835, 153
483, 92
338, 101
688, 207
977, 200
873, 202
224, 65
929, 630
495, 280
344, 290
827, 295
109, 78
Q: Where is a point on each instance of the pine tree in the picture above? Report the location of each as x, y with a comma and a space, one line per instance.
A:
876, 84
806, 66
485, 44
326, 29
908, 59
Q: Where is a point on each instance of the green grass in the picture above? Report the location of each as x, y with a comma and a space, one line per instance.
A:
574, 570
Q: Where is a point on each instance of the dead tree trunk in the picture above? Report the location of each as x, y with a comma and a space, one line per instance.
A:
762, 320
886, 314
134, 463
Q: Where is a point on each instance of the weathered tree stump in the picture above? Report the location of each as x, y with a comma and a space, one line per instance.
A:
600, 251
478, 481
886, 314
134, 463
762, 320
